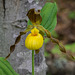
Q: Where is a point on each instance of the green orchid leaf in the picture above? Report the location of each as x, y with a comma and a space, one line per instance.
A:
6, 68
48, 13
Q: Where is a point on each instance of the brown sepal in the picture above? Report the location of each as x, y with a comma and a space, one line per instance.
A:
34, 16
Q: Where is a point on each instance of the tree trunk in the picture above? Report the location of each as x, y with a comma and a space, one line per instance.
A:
12, 16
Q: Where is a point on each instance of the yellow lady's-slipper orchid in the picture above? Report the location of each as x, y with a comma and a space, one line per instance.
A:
34, 40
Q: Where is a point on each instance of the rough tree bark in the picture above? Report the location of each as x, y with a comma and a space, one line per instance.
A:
12, 15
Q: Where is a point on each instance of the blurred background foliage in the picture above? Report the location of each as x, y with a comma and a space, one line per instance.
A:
58, 63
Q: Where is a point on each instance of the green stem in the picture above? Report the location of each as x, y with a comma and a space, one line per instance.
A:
32, 62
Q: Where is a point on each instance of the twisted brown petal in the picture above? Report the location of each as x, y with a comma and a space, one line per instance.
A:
12, 47
61, 46
18, 39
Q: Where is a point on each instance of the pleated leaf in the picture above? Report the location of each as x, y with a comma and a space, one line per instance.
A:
48, 13
6, 68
